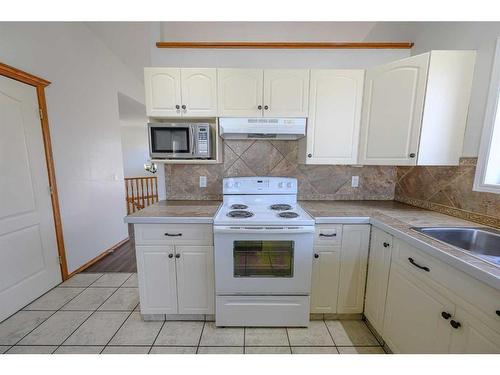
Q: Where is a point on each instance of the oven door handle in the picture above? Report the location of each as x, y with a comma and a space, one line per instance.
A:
264, 230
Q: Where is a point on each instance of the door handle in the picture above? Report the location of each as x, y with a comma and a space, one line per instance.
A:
183, 107
446, 315
328, 235
266, 107
386, 244
177, 256
170, 255
173, 234
455, 324
316, 256
259, 107
425, 268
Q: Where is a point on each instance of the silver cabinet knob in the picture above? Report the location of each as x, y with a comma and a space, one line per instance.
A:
412, 155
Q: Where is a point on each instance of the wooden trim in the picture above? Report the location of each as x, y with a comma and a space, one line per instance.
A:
22, 76
287, 45
99, 257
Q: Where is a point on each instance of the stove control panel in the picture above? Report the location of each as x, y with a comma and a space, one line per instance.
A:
260, 185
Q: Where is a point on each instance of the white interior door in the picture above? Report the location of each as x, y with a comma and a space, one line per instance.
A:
29, 263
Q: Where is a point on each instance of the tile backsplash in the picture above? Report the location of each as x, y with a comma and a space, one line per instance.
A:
279, 158
448, 190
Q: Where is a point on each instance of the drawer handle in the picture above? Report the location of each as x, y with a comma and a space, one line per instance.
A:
173, 235
328, 235
446, 315
455, 324
386, 244
426, 269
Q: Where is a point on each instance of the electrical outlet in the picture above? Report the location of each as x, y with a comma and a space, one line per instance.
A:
203, 181
355, 181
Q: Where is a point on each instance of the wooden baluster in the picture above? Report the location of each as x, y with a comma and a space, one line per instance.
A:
126, 196
156, 189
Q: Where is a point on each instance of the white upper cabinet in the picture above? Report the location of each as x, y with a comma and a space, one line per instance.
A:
286, 92
163, 92
335, 102
174, 92
199, 92
415, 109
240, 92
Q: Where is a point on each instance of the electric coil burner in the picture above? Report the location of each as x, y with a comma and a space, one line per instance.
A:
263, 254
288, 215
280, 207
239, 214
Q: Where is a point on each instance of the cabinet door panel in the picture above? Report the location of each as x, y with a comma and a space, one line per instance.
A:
392, 112
353, 259
473, 336
413, 321
325, 280
334, 116
286, 92
199, 92
157, 282
195, 279
240, 92
163, 91
379, 262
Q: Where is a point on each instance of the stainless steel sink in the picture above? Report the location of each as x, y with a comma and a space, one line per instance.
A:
481, 242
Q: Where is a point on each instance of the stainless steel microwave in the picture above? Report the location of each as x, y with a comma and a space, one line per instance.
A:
179, 140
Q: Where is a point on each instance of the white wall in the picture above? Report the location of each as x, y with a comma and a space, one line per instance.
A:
135, 151
83, 116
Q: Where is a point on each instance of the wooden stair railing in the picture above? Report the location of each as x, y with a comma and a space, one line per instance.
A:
140, 192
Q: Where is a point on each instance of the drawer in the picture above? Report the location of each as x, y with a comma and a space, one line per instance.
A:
464, 288
183, 234
328, 234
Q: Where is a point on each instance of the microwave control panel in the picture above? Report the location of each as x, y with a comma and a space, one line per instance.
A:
203, 148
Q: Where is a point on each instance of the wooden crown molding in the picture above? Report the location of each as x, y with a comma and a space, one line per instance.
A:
22, 76
287, 45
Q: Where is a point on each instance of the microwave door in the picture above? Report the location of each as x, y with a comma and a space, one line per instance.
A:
170, 142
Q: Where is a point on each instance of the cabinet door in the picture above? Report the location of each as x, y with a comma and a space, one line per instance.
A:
199, 92
325, 280
195, 279
334, 116
392, 112
163, 92
157, 282
379, 262
413, 321
286, 92
353, 259
240, 92
473, 336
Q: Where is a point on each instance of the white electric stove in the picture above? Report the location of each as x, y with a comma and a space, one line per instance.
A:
263, 254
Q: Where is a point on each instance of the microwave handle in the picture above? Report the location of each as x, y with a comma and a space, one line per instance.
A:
193, 144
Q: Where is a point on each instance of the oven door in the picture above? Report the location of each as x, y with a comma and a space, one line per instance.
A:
263, 261
173, 141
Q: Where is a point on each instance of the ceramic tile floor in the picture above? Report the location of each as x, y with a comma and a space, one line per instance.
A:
96, 313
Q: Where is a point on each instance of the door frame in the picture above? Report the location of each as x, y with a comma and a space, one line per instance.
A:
40, 84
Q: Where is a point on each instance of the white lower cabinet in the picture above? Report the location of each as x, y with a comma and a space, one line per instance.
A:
195, 279
176, 274
339, 269
413, 321
379, 263
325, 280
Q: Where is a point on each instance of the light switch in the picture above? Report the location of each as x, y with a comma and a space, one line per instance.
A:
203, 181
355, 181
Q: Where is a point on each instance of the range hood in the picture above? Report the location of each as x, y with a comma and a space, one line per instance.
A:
262, 128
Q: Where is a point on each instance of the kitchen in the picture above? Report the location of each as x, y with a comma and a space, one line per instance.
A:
317, 199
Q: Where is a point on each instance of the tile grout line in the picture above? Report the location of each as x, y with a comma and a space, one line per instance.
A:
121, 325
51, 315
201, 335
158, 334
288, 338
244, 339
328, 330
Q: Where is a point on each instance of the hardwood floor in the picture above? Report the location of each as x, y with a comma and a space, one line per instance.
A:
121, 260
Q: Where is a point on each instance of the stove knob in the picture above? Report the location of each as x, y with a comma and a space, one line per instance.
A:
289, 185
236, 184
229, 185
280, 185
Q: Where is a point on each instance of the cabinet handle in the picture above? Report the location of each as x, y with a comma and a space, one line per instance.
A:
177, 256
412, 155
446, 315
498, 312
386, 244
316, 256
266, 107
170, 255
183, 107
177, 106
426, 269
328, 235
173, 234
309, 155
259, 107
455, 324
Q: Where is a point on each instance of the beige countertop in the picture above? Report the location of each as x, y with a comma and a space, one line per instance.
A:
393, 217
168, 212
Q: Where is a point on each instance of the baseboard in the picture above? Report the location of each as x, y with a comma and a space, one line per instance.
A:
99, 257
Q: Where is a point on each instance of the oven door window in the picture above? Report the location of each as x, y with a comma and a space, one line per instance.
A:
263, 258
170, 140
